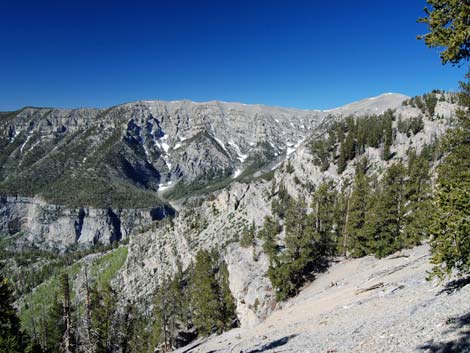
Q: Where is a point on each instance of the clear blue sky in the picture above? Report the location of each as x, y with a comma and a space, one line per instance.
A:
305, 54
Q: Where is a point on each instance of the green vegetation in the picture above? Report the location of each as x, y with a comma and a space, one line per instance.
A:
375, 217
349, 138
199, 298
104, 269
426, 103
75, 169
199, 187
248, 235
12, 339
449, 29
41, 309
448, 24
450, 223
410, 126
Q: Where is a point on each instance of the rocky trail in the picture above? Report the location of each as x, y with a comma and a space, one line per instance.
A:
362, 305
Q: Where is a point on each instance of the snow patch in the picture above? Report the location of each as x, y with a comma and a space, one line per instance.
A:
291, 150
240, 156
165, 186
237, 173
147, 153
26, 141
34, 145
221, 144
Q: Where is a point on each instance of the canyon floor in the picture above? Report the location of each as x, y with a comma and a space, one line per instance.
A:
362, 305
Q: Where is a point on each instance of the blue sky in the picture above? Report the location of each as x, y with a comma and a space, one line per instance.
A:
305, 54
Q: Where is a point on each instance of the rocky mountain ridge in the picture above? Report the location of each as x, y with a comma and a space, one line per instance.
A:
132, 155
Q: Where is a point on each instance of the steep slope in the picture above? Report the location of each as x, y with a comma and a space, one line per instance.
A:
362, 305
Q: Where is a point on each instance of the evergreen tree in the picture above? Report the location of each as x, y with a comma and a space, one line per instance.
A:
390, 212
53, 327
59, 327
350, 141
228, 308
450, 244
128, 327
268, 233
12, 340
103, 311
357, 241
68, 342
371, 226
388, 120
162, 336
321, 152
448, 24
205, 291
288, 270
324, 217
279, 203
342, 158
248, 236
417, 194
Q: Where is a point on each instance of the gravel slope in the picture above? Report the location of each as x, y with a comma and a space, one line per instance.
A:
363, 305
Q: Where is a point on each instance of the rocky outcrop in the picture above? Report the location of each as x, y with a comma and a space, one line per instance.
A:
251, 288
46, 225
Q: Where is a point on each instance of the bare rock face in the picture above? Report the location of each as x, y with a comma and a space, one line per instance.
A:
57, 226
251, 288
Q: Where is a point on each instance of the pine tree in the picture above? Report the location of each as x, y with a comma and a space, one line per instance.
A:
12, 340
388, 135
205, 294
324, 217
162, 335
68, 342
350, 142
228, 308
390, 212
53, 326
342, 158
418, 204
448, 27
358, 241
371, 226
302, 255
248, 236
103, 311
60, 325
450, 245
268, 233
